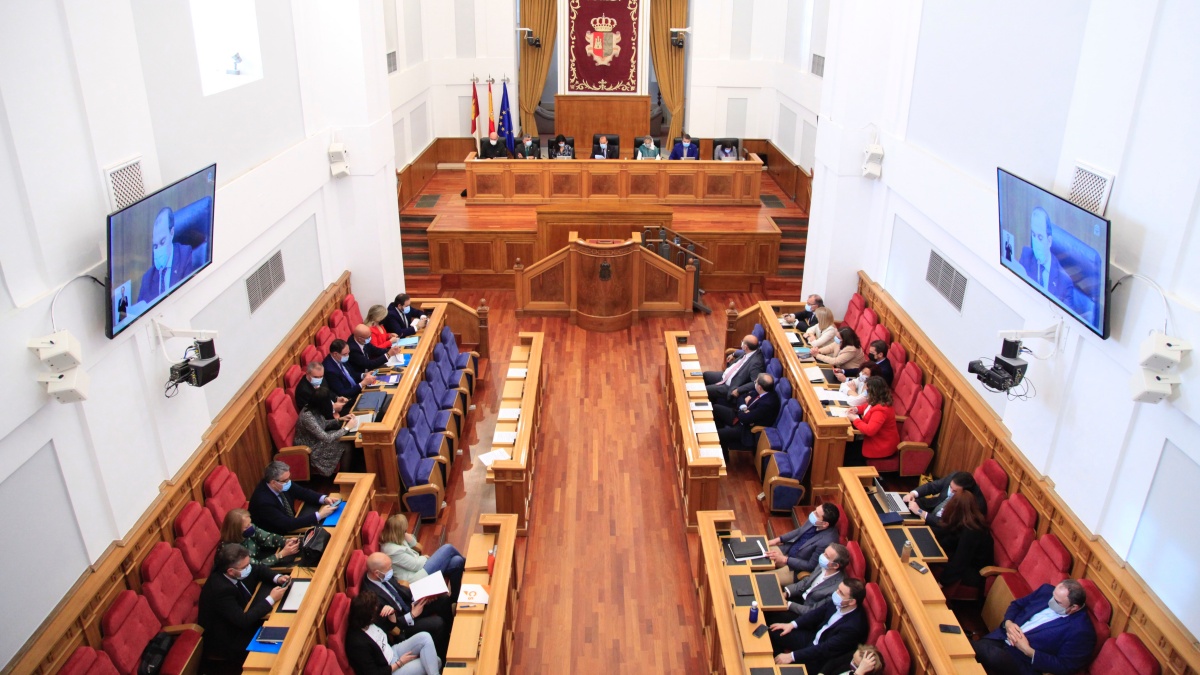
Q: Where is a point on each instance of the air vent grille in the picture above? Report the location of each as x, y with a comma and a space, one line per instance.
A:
265, 281
391, 62
948, 281
125, 185
1090, 188
818, 65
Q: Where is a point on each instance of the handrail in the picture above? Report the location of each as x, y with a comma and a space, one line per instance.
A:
674, 234
695, 255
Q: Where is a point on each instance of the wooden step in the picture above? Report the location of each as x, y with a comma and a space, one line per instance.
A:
424, 284
782, 288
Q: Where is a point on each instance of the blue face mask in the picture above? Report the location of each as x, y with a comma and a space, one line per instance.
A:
161, 255
837, 340
286, 486
345, 358
408, 309
245, 571
316, 381
387, 577
812, 518
823, 561
837, 600
248, 532
685, 144
808, 308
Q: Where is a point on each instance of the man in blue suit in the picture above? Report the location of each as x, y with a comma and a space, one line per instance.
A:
1041, 267
340, 377
1047, 631
800, 550
685, 149
172, 263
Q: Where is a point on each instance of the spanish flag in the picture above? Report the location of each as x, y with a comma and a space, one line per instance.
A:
491, 115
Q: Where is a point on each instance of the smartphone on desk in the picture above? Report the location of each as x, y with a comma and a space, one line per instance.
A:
760, 631
949, 628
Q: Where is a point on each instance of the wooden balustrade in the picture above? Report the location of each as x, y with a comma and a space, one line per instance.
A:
482, 639
696, 475
513, 477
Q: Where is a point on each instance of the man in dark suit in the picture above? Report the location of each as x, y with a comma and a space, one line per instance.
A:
806, 318
431, 615
492, 148
402, 318
365, 356
340, 377
741, 370
527, 149
800, 550
734, 427
685, 149
815, 589
602, 150
1047, 631
271, 504
833, 629
172, 262
226, 612
313, 387
928, 500
877, 354
1041, 267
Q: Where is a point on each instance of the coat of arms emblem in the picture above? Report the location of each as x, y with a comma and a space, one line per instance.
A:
603, 42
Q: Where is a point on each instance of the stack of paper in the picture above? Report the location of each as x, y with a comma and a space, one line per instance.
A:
428, 587
687, 349
488, 458
509, 414
504, 438
713, 451
694, 386
793, 338
705, 427
814, 374
690, 365
837, 412
831, 395
517, 373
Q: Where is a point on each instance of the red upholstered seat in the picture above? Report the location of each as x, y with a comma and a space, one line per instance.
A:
196, 537
281, 423
916, 434
339, 324
323, 339
335, 627
853, 311
350, 307
857, 568
168, 585
1012, 531
896, 660
865, 326
309, 355
356, 568
322, 661
1046, 562
906, 387
1124, 655
129, 625
898, 357
993, 482
1099, 610
880, 332
876, 608
291, 378
372, 527
223, 493
88, 661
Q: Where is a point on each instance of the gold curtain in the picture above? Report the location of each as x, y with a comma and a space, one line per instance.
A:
542, 17
668, 60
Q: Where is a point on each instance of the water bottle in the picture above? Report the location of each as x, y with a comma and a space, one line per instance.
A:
753, 611
491, 561
906, 552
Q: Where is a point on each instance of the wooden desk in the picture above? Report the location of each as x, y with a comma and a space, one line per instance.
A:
705, 182
699, 463
732, 647
513, 478
308, 624
917, 604
481, 642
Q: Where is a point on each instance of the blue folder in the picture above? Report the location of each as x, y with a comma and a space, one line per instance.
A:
332, 519
410, 341
264, 647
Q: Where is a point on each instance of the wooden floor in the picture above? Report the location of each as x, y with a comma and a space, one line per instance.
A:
607, 567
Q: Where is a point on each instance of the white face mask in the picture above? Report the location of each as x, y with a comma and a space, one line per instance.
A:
492, 142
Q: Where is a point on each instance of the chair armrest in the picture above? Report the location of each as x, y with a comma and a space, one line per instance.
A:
911, 445
779, 481
427, 489
901, 418
993, 571
294, 450
473, 354
756, 429
440, 460
183, 628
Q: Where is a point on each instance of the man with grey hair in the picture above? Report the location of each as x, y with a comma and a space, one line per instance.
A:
312, 388
272, 506
1047, 631
806, 318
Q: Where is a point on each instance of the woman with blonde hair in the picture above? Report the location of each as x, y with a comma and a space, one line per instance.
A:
266, 548
380, 337
824, 331
407, 562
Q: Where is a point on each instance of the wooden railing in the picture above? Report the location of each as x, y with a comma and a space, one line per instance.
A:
482, 639
513, 478
795, 182
696, 476
971, 432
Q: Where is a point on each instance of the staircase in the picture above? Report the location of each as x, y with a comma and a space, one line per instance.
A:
414, 245
793, 240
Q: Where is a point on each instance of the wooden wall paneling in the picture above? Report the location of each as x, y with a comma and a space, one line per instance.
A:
454, 149
582, 116
618, 221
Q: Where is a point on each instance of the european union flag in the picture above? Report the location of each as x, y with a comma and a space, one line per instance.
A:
505, 130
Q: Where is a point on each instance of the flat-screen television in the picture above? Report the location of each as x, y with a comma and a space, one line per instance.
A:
1058, 248
156, 245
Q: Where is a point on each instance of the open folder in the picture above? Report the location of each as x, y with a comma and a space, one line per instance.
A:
428, 587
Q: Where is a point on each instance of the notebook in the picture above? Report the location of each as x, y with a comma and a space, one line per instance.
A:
504, 438
814, 374
793, 338
691, 365
509, 414
517, 373
687, 349
705, 427
489, 458
410, 341
270, 634
694, 386
747, 550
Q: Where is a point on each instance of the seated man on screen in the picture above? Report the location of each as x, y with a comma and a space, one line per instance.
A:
172, 262
272, 502
313, 387
648, 150
492, 148
685, 149
1047, 631
340, 378
229, 611
527, 149
1041, 267
602, 150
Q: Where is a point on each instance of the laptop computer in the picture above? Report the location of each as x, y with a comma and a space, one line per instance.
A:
890, 502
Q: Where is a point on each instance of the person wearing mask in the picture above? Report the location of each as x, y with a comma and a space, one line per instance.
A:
407, 562
800, 550
342, 381
602, 150
685, 149
821, 333
741, 370
313, 389
806, 317
831, 630
928, 501
402, 318
380, 336
964, 536
492, 148
810, 592
323, 438
726, 153
365, 356
171, 262
272, 502
855, 388
1047, 631
266, 548
876, 421
648, 150
561, 149
407, 618
527, 149
866, 660
228, 609
877, 355
368, 650
760, 408
845, 351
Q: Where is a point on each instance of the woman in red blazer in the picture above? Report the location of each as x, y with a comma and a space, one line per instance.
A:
876, 421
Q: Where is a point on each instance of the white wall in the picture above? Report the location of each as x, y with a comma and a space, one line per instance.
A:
88, 83
954, 90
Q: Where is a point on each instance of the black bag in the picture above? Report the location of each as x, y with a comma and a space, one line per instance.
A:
314, 546
155, 654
